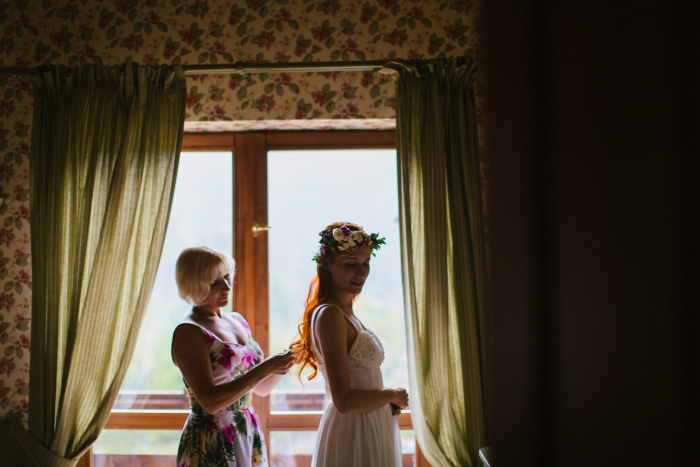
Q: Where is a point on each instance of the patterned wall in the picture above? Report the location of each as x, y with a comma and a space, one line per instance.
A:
69, 32
15, 266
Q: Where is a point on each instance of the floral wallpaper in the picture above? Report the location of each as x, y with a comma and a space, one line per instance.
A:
219, 31
15, 265
187, 32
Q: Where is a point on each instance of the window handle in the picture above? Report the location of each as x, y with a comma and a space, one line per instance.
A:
259, 228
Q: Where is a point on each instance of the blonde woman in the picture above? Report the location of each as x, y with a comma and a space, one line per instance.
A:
221, 366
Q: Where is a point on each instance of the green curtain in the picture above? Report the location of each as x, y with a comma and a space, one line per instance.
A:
443, 256
105, 150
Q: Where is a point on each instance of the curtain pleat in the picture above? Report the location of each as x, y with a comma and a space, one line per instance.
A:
105, 150
443, 256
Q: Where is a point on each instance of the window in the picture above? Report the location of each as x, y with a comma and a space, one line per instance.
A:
297, 183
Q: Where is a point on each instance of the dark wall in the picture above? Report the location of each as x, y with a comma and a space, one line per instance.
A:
593, 328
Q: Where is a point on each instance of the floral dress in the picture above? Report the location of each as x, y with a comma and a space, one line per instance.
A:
231, 436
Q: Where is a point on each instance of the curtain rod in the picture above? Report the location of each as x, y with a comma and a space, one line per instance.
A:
289, 67
249, 67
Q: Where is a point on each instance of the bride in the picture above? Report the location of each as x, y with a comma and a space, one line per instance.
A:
359, 428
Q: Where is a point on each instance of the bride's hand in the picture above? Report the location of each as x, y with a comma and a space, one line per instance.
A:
395, 409
400, 398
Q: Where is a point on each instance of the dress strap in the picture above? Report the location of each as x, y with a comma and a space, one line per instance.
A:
210, 335
314, 343
239, 317
346, 317
212, 338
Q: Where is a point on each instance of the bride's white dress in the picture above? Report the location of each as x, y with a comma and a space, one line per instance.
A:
367, 439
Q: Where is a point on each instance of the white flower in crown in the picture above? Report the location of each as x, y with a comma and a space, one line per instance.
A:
338, 235
357, 236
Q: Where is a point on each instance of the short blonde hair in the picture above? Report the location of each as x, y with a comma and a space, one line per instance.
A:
197, 268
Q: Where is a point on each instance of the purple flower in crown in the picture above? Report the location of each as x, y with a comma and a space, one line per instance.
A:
346, 230
323, 249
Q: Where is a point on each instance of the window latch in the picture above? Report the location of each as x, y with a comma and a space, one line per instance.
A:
259, 228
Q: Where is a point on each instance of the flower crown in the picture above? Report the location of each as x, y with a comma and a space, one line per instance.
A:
346, 242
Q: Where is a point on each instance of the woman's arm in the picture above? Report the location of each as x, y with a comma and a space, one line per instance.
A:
331, 329
191, 354
264, 387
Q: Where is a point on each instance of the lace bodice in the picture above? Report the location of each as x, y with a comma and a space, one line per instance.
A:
367, 349
365, 357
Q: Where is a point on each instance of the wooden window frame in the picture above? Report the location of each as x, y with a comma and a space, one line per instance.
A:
252, 295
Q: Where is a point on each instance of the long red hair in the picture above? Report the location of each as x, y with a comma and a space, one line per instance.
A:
319, 290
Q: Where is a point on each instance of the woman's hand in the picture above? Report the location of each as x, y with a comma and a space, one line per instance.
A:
275, 366
279, 363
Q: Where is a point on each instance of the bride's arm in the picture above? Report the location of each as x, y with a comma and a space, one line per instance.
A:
331, 329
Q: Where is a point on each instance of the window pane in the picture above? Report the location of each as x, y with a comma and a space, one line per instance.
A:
408, 448
308, 190
408, 442
291, 448
135, 448
201, 214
